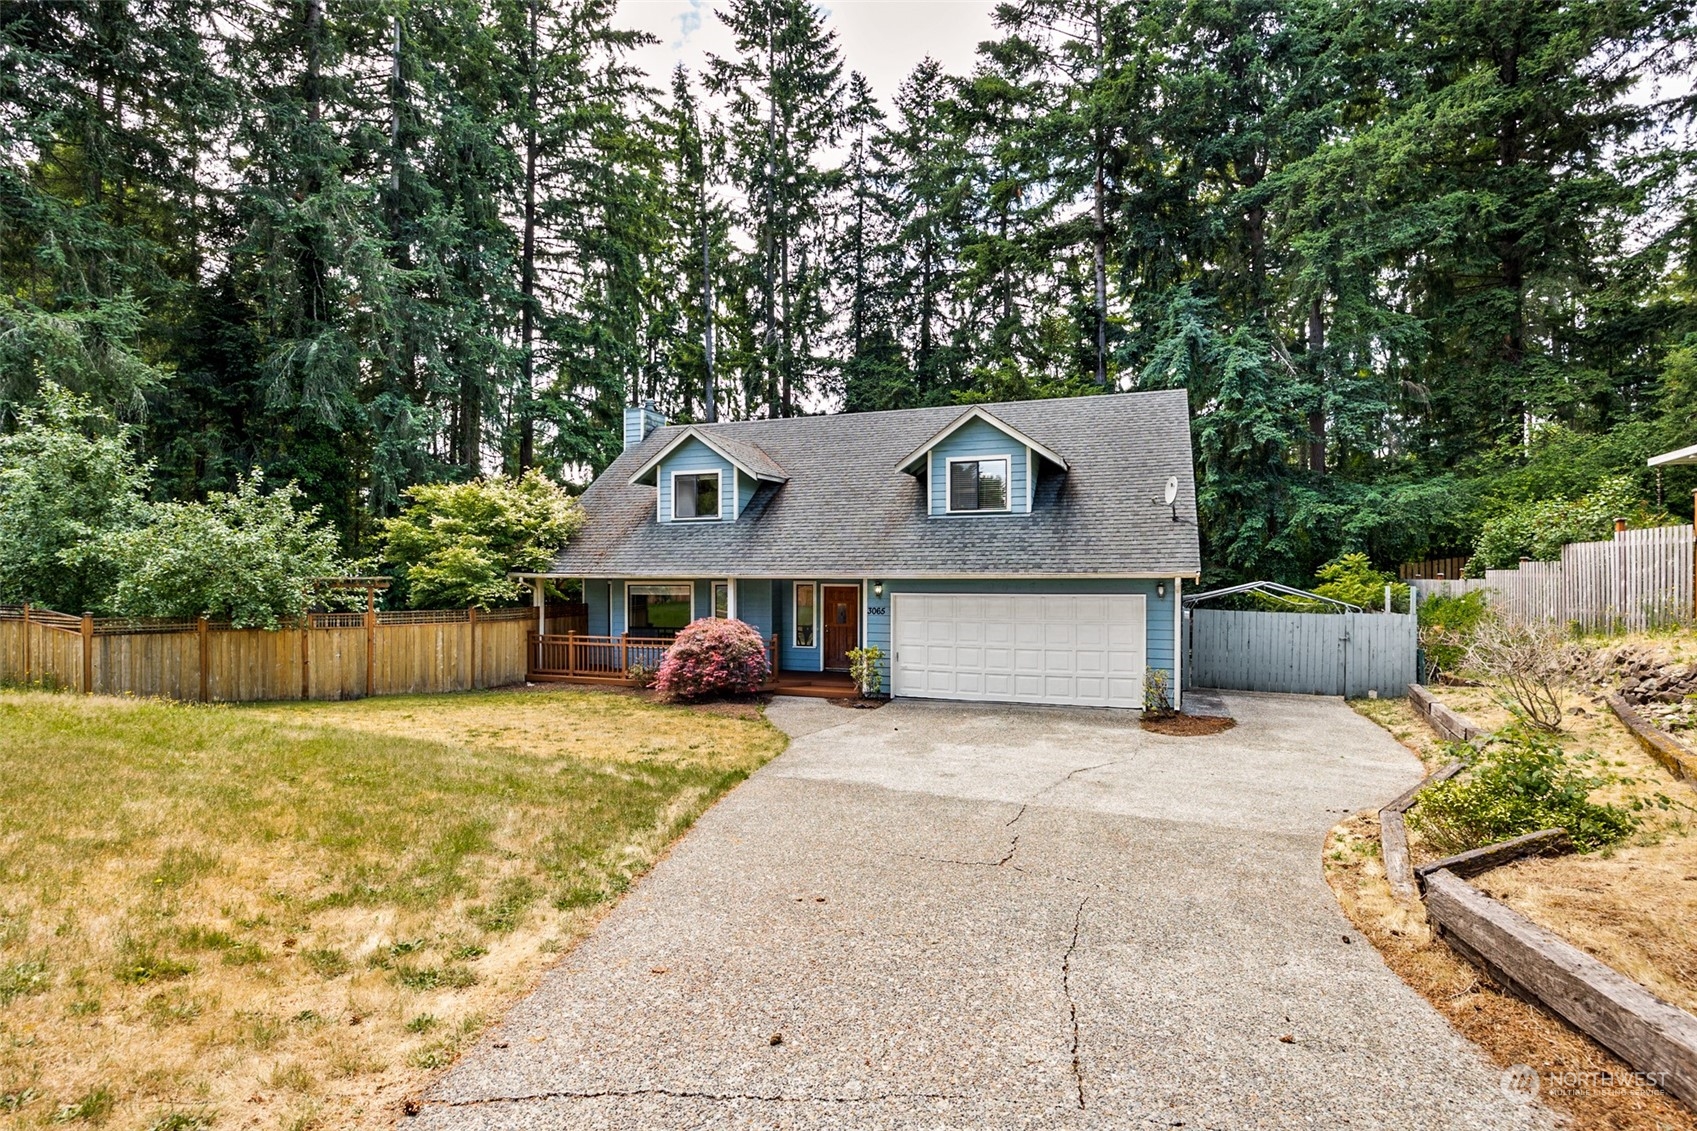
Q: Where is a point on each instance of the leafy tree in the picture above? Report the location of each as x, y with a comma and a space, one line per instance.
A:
454, 544
1352, 578
248, 556
1538, 529
68, 480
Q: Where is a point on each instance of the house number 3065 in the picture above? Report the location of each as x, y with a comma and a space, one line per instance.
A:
876, 610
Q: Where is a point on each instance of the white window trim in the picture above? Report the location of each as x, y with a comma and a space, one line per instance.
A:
1030, 482
719, 477
948, 478
713, 590
795, 623
653, 581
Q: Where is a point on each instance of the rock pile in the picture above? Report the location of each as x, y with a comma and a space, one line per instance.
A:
1662, 687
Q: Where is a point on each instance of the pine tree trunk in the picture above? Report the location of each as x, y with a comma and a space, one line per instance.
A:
1317, 414
527, 281
710, 405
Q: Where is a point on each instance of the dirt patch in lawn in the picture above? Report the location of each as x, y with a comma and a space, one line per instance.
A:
290, 916
1591, 1086
1187, 726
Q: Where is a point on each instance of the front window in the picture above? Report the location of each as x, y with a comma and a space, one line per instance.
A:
695, 495
978, 484
721, 599
657, 610
804, 610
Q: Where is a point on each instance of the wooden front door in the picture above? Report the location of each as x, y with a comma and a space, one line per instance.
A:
842, 624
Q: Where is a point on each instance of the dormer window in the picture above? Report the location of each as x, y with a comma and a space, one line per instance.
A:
695, 495
978, 484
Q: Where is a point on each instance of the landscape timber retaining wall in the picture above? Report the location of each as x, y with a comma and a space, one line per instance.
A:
1658, 743
1448, 724
1656, 1038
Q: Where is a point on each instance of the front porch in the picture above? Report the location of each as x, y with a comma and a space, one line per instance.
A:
575, 657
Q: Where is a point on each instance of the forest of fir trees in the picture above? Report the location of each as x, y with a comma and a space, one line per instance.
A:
1413, 261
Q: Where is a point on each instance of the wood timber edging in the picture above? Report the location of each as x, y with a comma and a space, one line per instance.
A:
1393, 832
1656, 1038
1658, 743
1544, 842
1448, 724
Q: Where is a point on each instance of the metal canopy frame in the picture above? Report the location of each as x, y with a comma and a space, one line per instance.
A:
1274, 591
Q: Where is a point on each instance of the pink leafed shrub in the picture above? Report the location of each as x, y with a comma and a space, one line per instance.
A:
713, 656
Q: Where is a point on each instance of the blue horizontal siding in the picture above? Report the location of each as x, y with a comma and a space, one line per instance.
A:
1159, 639
597, 595
754, 605
693, 455
979, 438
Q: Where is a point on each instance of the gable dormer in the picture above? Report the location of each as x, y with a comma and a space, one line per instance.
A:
979, 465
700, 477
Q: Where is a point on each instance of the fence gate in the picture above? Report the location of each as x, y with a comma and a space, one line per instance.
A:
1346, 654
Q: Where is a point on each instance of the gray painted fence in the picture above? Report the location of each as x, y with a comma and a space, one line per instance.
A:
1641, 579
1307, 653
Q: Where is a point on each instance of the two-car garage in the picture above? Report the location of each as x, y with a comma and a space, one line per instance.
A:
1081, 650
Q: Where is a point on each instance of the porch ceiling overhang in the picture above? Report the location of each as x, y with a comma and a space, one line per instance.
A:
917, 456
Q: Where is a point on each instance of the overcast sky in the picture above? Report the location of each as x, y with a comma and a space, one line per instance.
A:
883, 39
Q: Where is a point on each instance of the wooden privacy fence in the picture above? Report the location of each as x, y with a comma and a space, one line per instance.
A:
328, 656
1640, 579
1307, 653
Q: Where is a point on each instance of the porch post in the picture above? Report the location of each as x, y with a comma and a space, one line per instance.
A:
541, 620
731, 598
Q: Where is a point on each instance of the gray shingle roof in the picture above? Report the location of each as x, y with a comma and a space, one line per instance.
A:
847, 512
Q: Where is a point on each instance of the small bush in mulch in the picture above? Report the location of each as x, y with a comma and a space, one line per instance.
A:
713, 656
1187, 726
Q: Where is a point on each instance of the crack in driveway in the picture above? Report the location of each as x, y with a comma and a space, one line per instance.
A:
1072, 1002
683, 1094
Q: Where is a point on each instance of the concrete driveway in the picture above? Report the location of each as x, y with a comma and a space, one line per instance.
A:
932, 916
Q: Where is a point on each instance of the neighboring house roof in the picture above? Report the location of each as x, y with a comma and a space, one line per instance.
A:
743, 456
978, 412
846, 511
1683, 455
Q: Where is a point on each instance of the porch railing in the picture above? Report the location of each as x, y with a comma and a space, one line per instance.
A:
576, 655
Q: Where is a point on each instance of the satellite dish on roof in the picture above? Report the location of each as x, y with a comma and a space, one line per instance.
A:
1172, 489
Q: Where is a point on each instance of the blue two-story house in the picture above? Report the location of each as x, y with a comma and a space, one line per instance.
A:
1028, 552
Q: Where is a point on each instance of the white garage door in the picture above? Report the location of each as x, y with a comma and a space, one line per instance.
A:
1074, 650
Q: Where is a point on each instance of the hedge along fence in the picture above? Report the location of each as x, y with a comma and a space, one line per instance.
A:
327, 656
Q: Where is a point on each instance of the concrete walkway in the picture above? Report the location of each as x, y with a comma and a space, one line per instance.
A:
932, 916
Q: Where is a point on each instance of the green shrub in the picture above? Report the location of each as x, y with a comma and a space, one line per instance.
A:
1521, 782
1352, 578
1157, 699
1539, 528
866, 668
1447, 625
455, 543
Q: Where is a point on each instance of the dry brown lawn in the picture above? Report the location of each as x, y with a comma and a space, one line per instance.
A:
1579, 1078
1633, 906
289, 916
